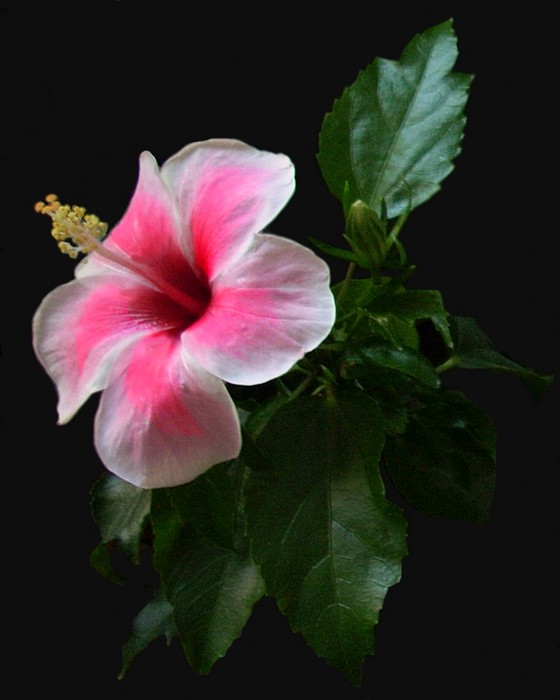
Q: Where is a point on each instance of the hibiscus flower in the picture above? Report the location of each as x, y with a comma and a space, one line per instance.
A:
184, 294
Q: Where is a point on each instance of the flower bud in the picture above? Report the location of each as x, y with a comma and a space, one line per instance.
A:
366, 233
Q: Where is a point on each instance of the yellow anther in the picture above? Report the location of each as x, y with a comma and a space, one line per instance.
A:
72, 224
67, 249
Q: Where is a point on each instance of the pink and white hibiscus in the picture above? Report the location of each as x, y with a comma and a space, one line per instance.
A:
183, 295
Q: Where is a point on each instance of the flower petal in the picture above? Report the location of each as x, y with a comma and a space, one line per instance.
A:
267, 311
226, 192
148, 234
162, 422
81, 328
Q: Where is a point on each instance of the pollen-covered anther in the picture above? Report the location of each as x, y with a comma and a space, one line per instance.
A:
75, 231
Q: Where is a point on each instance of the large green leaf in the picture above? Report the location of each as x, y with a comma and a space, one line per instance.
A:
154, 620
391, 389
120, 509
444, 462
393, 134
212, 589
330, 545
474, 350
210, 503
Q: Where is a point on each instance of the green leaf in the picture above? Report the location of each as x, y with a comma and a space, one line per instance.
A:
212, 589
262, 413
153, 621
394, 133
415, 305
336, 252
399, 333
120, 509
329, 543
209, 503
406, 360
102, 562
444, 462
391, 390
358, 294
474, 350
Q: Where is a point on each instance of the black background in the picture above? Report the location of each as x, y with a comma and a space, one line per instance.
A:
87, 87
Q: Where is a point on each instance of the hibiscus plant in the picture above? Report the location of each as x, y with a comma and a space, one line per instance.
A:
252, 410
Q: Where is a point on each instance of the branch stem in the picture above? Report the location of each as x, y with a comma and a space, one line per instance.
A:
448, 364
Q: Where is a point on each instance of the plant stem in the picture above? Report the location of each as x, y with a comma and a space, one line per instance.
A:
241, 476
448, 364
304, 384
344, 289
398, 227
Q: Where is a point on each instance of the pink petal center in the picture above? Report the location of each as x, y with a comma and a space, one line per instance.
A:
189, 292
186, 289
164, 409
138, 309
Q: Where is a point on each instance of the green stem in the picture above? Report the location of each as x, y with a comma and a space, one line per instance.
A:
359, 316
397, 228
279, 383
448, 364
241, 476
303, 386
344, 289
331, 395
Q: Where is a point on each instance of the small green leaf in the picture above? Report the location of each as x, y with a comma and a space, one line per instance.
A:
474, 350
212, 589
444, 462
153, 621
406, 360
120, 509
396, 284
341, 253
329, 543
394, 133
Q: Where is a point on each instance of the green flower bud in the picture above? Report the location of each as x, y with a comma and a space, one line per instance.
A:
366, 234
